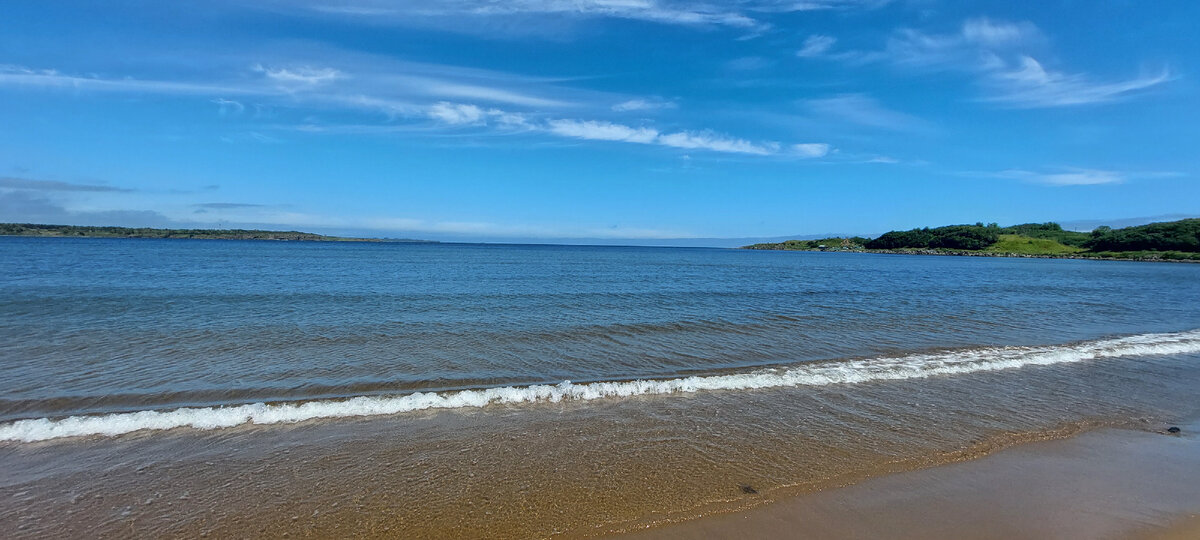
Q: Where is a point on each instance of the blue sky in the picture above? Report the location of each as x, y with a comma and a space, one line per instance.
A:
597, 120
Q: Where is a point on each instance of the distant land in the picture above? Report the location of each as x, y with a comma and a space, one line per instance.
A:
1167, 241
60, 231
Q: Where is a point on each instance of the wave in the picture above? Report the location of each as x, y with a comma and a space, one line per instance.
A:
912, 366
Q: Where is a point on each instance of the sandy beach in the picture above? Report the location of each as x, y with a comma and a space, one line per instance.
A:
1108, 483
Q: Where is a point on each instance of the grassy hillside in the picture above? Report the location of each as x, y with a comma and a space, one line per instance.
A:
1048, 231
1026, 245
1176, 240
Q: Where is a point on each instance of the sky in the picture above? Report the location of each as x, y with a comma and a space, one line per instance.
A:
639, 121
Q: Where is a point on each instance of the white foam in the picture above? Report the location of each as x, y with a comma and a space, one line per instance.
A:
810, 374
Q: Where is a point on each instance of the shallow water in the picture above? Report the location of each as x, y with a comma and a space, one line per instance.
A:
181, 387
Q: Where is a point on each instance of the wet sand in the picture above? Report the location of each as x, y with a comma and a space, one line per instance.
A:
591, 468
1109, 483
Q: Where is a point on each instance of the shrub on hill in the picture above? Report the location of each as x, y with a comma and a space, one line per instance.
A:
1183, 235
967, 237
1048, 231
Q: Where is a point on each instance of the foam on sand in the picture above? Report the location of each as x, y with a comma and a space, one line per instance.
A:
809, 374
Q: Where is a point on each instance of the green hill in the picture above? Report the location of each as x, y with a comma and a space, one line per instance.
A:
30, 229
1026, 245
1183, 236
1176, 240
824, 244
1048, 231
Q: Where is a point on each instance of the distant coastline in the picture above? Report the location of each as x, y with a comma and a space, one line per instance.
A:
1175, 241
73, 231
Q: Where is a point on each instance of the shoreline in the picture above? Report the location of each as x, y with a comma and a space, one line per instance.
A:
935, 253
1107, 482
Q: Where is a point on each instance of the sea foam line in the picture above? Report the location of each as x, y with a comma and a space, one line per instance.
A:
812, 374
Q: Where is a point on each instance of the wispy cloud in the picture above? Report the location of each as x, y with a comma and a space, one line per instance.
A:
1001, 56
864, 110
1030, 85
643, 104
462, 114
228, 107
607, 131
458, 114
717, 143
1074, 176
816, 45
227, 205
250, 137
365, 82
485, 93
979, 45
602, 131
22, 76
655, 11
476, 15
785, 6
54, 185
410, 93
811, 150
300, 75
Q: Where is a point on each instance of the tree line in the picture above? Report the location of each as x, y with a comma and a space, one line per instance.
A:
1183, 235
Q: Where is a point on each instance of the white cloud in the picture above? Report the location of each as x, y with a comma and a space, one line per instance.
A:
646, 10
811, 150
987, 32
601, 131
717, 143
815, 45
372, 90
817, 5
485, 93
656, 11
1000, 55
643, 105
302, 75
361, 82
977, 46
457, 113
1030, 85
1065, 177
49, 78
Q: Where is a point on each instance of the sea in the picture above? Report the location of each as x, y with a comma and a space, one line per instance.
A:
191, 388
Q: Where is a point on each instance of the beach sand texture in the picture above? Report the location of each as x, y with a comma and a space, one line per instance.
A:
1109, 483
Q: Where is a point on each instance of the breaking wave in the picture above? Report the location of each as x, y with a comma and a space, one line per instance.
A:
810, 374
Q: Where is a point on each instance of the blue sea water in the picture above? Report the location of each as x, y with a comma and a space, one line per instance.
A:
183, 388
104, 326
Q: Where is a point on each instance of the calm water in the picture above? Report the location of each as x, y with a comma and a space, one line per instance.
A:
436, 366
93, 325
